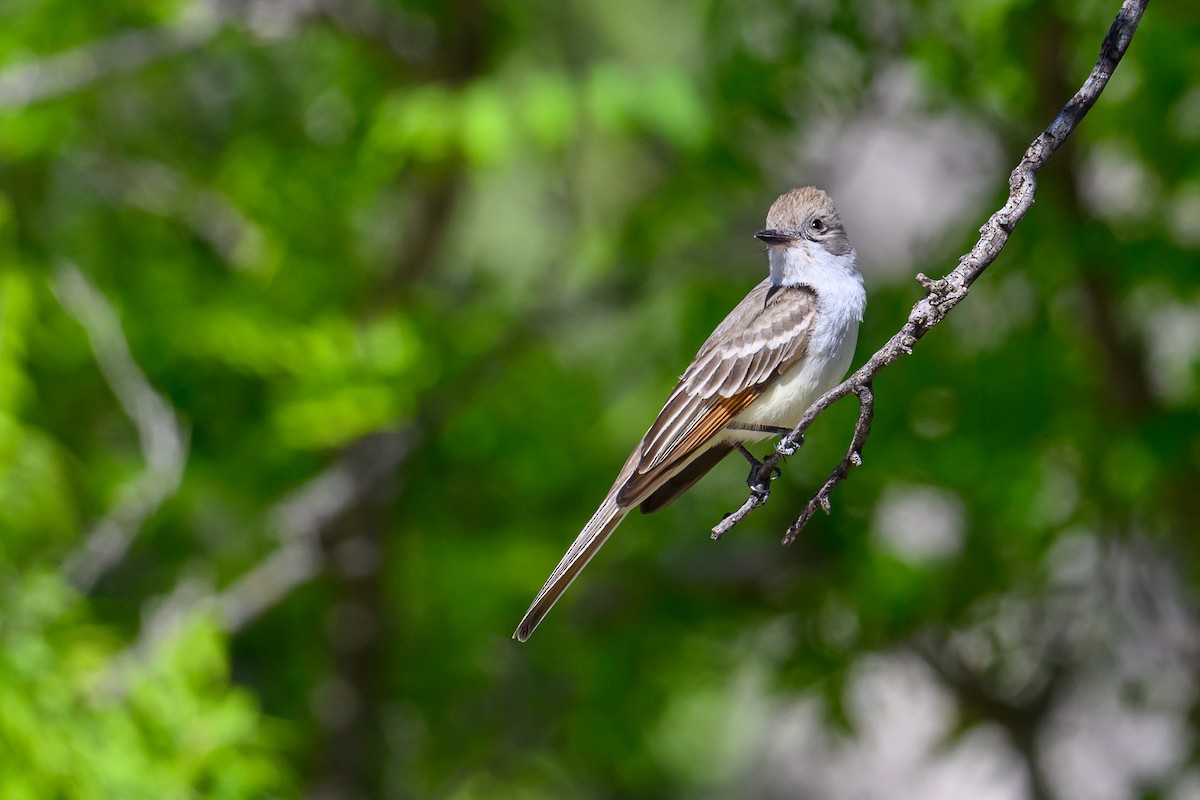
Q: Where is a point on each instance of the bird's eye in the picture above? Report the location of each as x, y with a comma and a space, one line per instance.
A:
817, 225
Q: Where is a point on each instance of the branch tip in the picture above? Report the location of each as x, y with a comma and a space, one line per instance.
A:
943, 294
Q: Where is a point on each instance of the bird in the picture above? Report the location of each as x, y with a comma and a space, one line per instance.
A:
788, 342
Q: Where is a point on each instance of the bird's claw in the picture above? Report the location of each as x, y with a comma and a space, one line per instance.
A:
760, 479
786, 447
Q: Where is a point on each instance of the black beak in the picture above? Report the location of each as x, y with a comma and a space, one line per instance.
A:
774, 237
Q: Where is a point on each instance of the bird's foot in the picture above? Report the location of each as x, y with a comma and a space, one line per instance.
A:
759, 480
760, 477
786, 447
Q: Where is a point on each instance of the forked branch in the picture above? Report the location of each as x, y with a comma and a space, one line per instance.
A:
946, 292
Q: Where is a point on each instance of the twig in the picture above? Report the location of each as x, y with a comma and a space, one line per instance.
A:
401, 33
60, 74
788, 445
197, 24
158, 188
1021, 717
302, 521
862, 429
945, 293
162, 439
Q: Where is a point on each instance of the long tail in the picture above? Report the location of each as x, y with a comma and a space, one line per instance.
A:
586, 544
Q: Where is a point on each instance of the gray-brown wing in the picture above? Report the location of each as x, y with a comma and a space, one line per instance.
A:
760, 338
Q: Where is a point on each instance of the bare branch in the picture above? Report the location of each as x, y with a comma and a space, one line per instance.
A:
945, 293
158, 188
1021, 719
408, 37
302, 521
53, 76
162, 439
862, 428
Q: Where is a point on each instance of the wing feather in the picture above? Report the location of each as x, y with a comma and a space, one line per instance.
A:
716, 417
733, 376
761, 338
760, 367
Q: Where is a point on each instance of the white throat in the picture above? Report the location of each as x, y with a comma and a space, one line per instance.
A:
811, 265
841, 301
841, 296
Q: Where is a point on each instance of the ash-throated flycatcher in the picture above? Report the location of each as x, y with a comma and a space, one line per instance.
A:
785, 345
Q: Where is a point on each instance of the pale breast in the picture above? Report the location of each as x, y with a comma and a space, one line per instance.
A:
828, 354
789, 397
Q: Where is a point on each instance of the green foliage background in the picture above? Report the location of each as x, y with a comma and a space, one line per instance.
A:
444, 259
